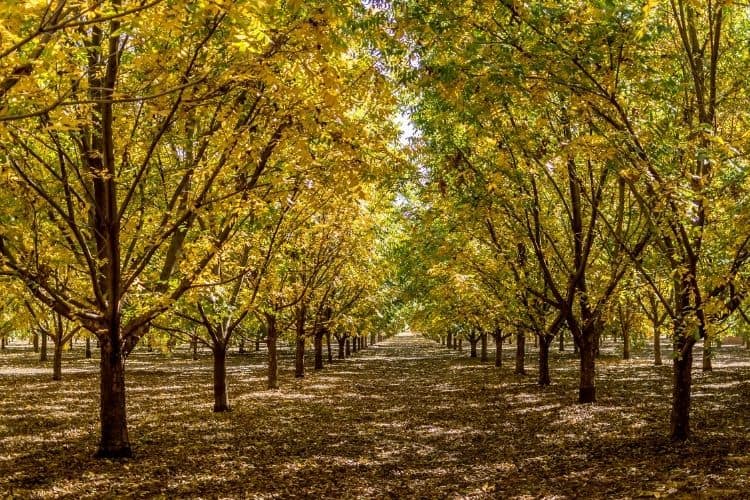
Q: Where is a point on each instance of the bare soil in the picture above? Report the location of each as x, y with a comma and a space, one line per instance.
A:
402, 419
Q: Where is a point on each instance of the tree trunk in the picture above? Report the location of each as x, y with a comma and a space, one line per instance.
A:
194, 348
241, 348
657, 346
355, 344
3, 343
299, 357
43, 350
460, 344
450, 340
561, 348
473, 349
35, 340
681, 387
57, 361
587, 387
273, 367
299, 351
115, 442
380, 337
544, 343
348, 350
342, 343
484, 357
328, 345
221, 399
520, 353
318, 343
88, 347
626, 343
707, 353
498, 350
257, 344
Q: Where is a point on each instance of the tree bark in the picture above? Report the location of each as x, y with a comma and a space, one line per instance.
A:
35, 340
588, 348
221, 398
57, 360
498, 350
43, 350
520, 353
300, 338
681, 388
460, 344
88, 347
626, 343
299, 357
115, 442
473, 346
342, 344
355, 344
450, 340
561, 348
194, 348
348, 349
484, 357
273, 367
328, 345
657, 346
544, 343
318, 344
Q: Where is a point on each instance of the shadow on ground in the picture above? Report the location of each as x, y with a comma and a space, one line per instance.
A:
406, 418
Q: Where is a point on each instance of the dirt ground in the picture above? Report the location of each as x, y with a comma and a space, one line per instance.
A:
402, 419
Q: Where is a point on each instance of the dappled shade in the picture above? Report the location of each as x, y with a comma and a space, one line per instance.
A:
401, 418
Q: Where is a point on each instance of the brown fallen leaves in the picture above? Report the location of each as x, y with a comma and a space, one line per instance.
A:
402, 419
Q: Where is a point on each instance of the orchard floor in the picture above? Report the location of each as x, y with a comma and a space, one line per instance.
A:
403, 419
